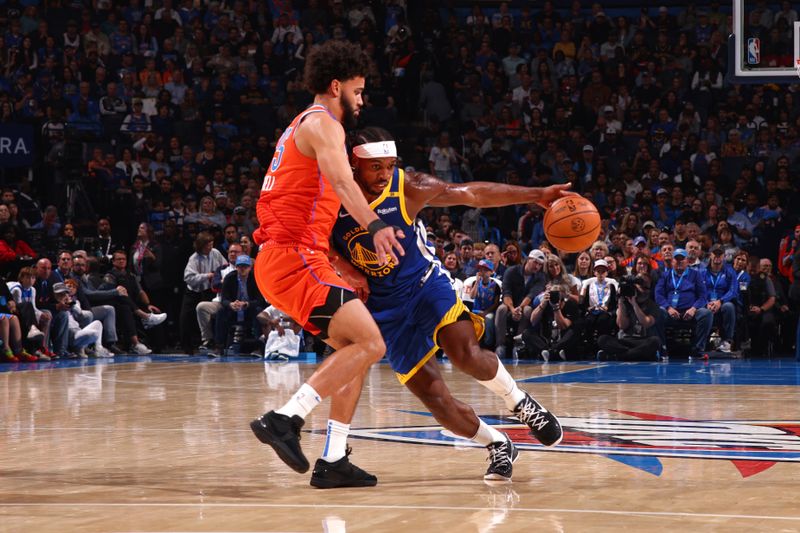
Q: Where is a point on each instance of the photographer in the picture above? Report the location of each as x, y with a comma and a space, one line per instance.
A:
636, 318
521, 283
554, 324
598, 299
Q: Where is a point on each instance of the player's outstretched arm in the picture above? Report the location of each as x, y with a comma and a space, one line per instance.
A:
325, 137
425, 189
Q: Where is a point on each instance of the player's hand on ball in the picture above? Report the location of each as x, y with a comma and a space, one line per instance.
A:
554, 192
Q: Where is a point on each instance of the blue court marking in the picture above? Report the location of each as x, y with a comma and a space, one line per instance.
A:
729, 372
305, 357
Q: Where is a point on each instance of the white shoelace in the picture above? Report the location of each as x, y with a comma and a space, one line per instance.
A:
532, 416
498, 455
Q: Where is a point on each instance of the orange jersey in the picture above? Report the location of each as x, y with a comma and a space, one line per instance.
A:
298, 205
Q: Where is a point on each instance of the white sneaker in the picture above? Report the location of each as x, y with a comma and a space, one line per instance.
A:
34, 332
546, 356
563, 355
141, 349
725, 346
153, 320
82, 354
102, 351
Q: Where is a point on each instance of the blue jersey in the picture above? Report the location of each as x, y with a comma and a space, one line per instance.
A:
411, 300
391, 281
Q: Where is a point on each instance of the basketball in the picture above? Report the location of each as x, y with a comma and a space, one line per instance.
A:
572, 224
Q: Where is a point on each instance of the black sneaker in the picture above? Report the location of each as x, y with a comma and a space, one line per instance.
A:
114, 348
543, 424
283, 434
501, 460
341, 473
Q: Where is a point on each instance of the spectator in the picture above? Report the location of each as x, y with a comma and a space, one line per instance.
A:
46, 301
521, 284
761, 320
10, 332
485, 294
208, 217
723, 293
80, 336
598, 298
554, 324
197, 275
14, 252
241, 301
33, 321
49, 224
636, 320
583, 267
681, 294
208, 310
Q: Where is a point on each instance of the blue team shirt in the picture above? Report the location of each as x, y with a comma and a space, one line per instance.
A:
682, 291
723, 285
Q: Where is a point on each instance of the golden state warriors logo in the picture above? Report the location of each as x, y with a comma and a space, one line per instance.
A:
365, 258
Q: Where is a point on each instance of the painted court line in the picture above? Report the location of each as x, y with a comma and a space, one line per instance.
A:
545, 376
408, 508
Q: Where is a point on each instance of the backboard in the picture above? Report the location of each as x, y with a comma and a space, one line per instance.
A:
765, 44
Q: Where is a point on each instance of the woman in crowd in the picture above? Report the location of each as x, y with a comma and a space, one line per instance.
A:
208, 218
583, 266
511, 255
451, 264
555, 273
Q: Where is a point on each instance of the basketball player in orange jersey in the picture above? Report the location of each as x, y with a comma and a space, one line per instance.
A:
307, 181
417, 308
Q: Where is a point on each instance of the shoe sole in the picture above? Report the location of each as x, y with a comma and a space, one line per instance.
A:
267, 437
326, 484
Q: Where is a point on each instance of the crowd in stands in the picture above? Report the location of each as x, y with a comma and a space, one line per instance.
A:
157, 118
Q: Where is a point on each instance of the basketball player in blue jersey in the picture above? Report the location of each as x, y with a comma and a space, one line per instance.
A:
415, 305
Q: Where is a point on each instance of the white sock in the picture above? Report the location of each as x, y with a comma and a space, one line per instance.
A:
503, 385
336, 441
302, 403
487, 434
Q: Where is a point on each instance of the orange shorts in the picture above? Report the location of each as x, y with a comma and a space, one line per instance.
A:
296, 280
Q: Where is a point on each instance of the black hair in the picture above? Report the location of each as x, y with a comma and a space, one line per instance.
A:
333, 60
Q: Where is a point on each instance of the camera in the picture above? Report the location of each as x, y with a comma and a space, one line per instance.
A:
555, 298
627, 287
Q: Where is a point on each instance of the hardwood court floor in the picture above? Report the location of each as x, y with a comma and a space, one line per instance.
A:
163, 444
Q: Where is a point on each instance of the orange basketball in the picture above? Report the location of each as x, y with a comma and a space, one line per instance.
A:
572, 224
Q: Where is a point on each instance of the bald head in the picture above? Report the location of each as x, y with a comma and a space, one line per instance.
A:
43, 268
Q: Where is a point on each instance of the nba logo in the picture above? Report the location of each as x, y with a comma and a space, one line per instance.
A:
753, 51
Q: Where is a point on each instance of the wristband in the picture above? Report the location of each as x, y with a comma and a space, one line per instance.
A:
375, 226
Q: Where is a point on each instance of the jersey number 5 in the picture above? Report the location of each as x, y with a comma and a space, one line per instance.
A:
276, 159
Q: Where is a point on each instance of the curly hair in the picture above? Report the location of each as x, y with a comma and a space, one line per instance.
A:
333, 60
